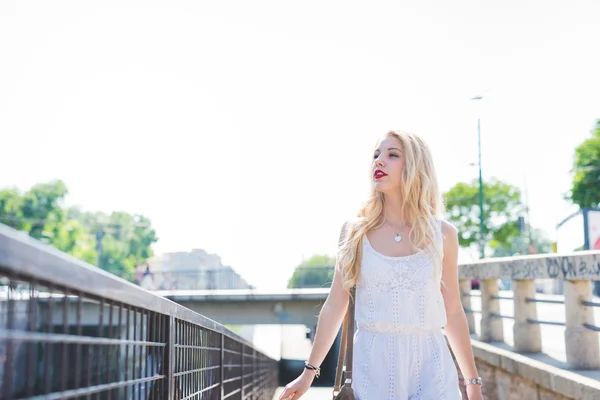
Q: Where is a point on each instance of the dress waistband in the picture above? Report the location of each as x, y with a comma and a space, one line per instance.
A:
385, 327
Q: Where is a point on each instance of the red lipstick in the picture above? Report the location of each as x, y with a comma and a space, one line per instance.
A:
379, 174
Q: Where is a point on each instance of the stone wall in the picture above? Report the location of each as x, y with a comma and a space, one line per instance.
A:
510, 376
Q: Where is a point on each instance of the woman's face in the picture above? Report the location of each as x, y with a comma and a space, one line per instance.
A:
388, 163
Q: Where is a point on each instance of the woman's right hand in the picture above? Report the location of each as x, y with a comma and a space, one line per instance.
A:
328, 326
296, 388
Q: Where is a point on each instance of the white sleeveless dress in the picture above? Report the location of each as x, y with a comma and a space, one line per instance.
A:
399, 350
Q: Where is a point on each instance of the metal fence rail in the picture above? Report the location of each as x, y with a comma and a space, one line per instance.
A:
71, 331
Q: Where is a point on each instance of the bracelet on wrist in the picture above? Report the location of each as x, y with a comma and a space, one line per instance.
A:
313, 368
474, 381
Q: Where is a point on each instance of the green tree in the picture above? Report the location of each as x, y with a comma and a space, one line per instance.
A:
39, 212
586, 171
72, 237
315, 272
11, 202
42, 210
123, 240
521, 244
502, 206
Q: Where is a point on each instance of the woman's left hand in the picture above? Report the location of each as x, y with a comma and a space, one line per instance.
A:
474, 392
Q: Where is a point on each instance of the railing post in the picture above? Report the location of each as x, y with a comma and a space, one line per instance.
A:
491, 326
581, 343
254, 378
222, 361
171, 360
465, 298
527, 336
242, 373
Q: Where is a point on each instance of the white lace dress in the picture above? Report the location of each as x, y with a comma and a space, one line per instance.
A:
399, 350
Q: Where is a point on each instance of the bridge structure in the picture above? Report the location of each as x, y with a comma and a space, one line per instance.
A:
69, 330
253, 306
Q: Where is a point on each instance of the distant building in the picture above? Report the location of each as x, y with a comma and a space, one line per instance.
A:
145, 277
196, 269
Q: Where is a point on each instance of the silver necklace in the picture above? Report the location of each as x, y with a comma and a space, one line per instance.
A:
397, 238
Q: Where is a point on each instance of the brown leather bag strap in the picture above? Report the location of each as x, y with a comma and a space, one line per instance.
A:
350, 338
340, 364
346, 346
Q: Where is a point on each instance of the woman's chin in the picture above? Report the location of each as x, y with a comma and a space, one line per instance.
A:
381, 187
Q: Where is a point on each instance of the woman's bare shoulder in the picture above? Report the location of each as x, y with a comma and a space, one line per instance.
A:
447, 227
347, 227
350, 223
450, 235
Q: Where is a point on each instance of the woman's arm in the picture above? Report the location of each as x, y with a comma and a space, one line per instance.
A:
457, 328
330, 320
328, 326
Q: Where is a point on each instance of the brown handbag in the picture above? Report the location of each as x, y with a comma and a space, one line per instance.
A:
346, 349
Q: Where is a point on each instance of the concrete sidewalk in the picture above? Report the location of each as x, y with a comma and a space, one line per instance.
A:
314, 393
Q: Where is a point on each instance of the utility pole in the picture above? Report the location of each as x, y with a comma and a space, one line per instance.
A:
481, 211
529, 233
481, 198
99, 236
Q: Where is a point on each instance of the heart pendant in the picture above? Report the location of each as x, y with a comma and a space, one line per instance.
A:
398, 238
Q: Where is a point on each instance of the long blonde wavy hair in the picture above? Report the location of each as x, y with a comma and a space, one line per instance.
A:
421, 206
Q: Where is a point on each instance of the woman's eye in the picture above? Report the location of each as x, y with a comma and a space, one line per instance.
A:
375, 156
393, 155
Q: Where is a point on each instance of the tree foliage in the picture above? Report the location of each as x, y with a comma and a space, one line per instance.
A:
315, 272
125, 241
502, 206
118, 242
585, 191
518, 245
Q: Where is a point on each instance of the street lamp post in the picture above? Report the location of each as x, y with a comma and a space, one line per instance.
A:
481, 212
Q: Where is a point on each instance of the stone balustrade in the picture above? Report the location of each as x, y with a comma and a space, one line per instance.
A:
576, 270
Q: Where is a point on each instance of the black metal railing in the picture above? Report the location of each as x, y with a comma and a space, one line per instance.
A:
69, 330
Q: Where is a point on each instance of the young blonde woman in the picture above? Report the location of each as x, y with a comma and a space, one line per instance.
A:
402, 260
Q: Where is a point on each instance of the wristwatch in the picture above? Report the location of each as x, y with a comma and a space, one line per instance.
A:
474, 381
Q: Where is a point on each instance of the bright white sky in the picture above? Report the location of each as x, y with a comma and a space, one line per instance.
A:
246, 128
